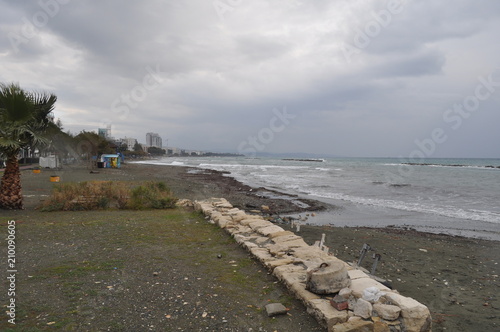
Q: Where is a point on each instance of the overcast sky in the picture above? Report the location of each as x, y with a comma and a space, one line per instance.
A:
347, 77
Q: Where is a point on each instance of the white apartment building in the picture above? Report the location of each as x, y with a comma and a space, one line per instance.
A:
153, 139
130, 143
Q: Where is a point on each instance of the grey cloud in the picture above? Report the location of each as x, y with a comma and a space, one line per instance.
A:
221, 79
428, 63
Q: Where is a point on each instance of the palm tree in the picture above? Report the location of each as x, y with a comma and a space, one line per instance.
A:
24, 117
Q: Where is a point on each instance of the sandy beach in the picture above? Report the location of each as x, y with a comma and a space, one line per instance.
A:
456, 277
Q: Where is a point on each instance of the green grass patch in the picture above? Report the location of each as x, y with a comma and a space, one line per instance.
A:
100, 195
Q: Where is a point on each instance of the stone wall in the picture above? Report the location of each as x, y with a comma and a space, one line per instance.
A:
352, 302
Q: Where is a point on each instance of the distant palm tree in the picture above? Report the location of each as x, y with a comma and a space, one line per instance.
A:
24, 117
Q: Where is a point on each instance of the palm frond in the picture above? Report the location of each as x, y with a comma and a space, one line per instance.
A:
24, 117
15, 103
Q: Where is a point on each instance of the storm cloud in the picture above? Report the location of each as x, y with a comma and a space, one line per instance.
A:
361, 78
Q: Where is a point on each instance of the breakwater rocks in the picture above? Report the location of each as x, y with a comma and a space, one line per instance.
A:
339, 296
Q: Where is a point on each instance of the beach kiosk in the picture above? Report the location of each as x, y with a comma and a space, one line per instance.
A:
110, 161
50, 162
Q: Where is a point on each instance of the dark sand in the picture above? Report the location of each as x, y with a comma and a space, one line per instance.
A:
456, 277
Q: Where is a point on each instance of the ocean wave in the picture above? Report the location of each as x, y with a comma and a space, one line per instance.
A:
446, 211
159, 162
452, 165
260, 166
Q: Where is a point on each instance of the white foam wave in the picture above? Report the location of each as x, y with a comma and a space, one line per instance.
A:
159, 162
446, 211
261, 167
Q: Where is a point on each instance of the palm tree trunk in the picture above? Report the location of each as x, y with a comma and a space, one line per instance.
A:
10, 188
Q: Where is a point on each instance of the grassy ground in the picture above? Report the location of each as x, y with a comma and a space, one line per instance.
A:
165, 270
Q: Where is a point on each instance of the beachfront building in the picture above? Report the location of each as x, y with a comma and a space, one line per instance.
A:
153, 139
130, 143
105, 132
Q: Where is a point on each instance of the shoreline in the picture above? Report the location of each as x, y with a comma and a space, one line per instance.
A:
338, 213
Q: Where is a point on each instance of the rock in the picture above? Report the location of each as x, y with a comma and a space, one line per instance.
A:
416, 316
278, 262
223, 203
261, 254
184, 203
381, 327
325, 314
155, 274
265, 208
345, 293
250, 219
281, 248
255, 225
363, 309
223, 221
339, 302
275, 309
359, 285
387, 311
357, 274
284, 233
290, 274
236, 215
299, 290
310, 253
354, 324
372, 294
266, 231
329, 277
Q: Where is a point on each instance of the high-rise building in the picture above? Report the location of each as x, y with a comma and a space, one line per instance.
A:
153, 139
105, 132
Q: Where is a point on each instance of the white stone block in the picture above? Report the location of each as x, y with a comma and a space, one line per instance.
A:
285, 238
250, 219
309, 253
290, 273
356, 274
387, 311
271, 264
360, 284
261, 254
298, 288
323, 311
416, 316
266, 231
363, 309
259, 224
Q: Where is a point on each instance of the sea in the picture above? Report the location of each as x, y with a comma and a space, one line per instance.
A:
451, 196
